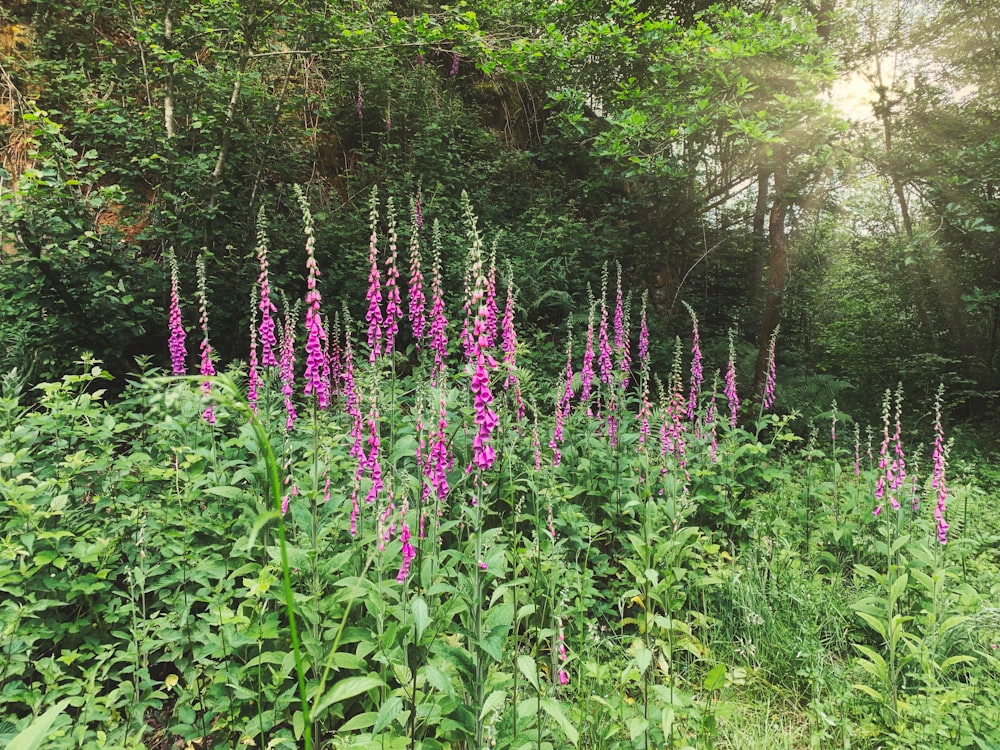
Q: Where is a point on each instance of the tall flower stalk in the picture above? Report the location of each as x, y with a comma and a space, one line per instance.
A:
417, 301
287, 364
374, 295
508, 343
697, 372
268, 336
563, 405
587, 370
439, 323
770, 379
483, 453
732, 396
940, 459
317, 374
178, 352
207, 369
253, 378
393, 302
621, 329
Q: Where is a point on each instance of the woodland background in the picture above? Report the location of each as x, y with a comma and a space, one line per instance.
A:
831, 166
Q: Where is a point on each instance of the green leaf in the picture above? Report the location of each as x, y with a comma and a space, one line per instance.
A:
347, 688
875, 623
898, 587
953, 660
716, 678
228, 492
421, 616
526, 665
870, 691
554, 709
952, 621
391, 709
493, 700
36, 732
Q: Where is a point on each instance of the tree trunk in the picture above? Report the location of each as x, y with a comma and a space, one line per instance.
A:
168, 94
776, 275
760, 234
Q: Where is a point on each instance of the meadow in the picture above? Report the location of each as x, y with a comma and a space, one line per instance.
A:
404, 532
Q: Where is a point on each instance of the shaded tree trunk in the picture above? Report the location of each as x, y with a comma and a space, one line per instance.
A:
759, 230
776, 276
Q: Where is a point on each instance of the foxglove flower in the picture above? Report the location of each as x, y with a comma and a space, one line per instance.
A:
483, 454
374, 295
207, 368
710, 420
178, 353
253, 385
770, 379
562, 407
883, 461
393, 304
408, 553
317, 374
587, 371
563, 656
287, 367
621, 330
439, 458
940, 458
352, 404
268, 337
491, 301
603, 346
416, 298
697, 374
372, 462
509, 345
730, 391
644, 334
439, 323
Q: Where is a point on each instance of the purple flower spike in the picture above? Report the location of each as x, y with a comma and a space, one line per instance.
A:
268, 337
374, 296
562, 408
621, 329
207, 368
730, 390
509, 345
178, 353
317, 374
940, 458
253, 385
587, 371
393, 305
770, 379
644, 333
491, 302
439, 323
697, 374
288, 368
408, 553
417, 300
603, 346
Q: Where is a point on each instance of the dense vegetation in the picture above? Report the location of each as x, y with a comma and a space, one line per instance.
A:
468, 479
